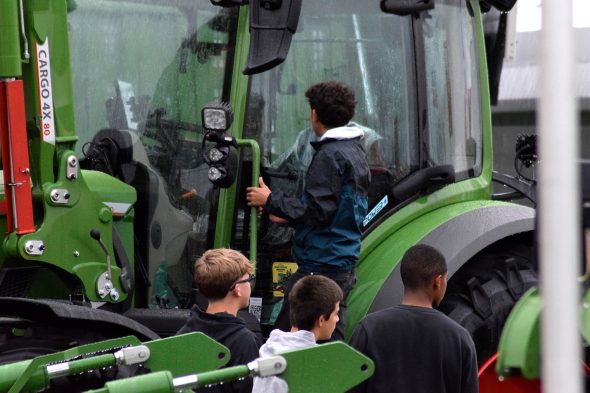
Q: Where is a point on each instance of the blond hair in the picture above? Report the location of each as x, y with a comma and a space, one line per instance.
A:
218, 269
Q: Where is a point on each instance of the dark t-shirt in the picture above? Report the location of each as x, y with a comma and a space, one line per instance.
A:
416, 350
231, 332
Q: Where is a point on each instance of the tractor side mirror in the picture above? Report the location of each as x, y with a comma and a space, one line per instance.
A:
500, 5
222, 158
229, 3
406, 7
272, 25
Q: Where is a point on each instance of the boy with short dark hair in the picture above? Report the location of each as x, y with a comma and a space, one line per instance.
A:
416, 348
315, 302
224, 277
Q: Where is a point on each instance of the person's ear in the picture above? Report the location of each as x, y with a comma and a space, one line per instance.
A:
435, 283
320, 321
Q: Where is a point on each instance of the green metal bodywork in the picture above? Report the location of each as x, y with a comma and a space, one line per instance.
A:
305, 373
161, 381
87, 210
187, 353
30, 375
376, 267
519, 348
63, 228
180, 355
47, 21
238, 96
10, 55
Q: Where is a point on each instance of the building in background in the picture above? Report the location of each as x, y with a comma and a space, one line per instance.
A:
515, 112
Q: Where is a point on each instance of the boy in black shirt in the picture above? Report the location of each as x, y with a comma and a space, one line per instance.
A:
417, 349
224, 277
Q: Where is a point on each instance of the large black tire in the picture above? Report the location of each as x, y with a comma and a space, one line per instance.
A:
482, 293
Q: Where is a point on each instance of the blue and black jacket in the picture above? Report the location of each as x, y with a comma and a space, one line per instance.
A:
328, 216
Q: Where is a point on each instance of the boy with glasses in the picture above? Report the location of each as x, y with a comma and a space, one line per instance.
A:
224, 277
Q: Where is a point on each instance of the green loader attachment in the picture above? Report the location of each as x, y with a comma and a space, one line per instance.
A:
333, 367
192, 352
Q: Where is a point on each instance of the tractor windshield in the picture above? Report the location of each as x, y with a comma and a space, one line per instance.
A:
142, 71
416, 83
355, 43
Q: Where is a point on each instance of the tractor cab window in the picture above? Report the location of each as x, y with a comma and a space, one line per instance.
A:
142, 70
453, 95
357, 44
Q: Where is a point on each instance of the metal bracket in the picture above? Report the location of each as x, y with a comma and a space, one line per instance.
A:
104, 286
266, 367
132, 355
482, 304
60, 196
72, 168
34, 247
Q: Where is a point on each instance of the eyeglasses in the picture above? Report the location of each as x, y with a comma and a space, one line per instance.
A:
251, 277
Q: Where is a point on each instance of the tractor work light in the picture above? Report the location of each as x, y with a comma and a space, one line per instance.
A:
217, 117
216, 174
223, 161
222, 158
215, 154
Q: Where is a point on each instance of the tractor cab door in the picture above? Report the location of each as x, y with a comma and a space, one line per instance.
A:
417, 103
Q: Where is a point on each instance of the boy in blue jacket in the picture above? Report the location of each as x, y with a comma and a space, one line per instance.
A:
328, 216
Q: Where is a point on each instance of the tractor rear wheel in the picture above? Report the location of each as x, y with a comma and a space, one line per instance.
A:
482, 293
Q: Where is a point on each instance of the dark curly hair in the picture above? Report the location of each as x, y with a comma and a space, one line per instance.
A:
333, 102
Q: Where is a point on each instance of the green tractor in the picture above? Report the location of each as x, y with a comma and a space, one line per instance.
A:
114, 184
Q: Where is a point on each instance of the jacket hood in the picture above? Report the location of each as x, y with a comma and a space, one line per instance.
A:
280, 341
219, 325
342, 133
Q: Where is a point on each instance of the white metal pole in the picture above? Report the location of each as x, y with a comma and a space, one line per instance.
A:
559, 209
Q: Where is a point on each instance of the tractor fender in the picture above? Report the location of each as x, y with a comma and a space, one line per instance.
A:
459, 239
520, 345
63, 313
